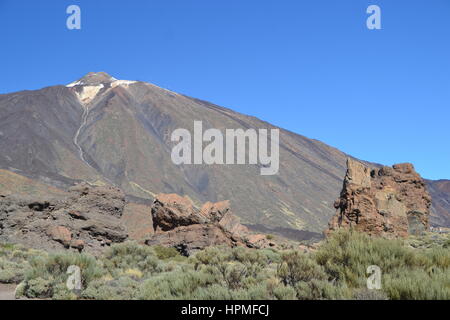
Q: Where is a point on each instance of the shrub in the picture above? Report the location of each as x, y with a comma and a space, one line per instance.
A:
346, 256
174, 285
39, 288
417, 285
296, 267
337, 270
164, 253
406, 273
130, 255
322, 290
14, 262
47, 273
123, 288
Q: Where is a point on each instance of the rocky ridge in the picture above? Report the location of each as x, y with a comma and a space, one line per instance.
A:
88, 219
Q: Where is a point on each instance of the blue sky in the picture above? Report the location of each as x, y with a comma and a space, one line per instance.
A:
310, 66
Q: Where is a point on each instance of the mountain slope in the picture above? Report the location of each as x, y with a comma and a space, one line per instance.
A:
105, 130
440, 192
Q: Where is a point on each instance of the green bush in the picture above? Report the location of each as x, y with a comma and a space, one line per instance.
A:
39, 288
164, 253
14, 261
174, 285
130, 255
337, 270
417, 285
406, 273
124, 288
346, 256
316, 289
47, 273
296, 267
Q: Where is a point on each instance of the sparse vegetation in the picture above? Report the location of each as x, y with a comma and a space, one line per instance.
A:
337, 270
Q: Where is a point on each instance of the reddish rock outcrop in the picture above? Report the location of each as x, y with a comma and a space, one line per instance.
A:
137, 218
60, 234
389, 202
215, 211
188, 239
220, 213
260, 241
170, 211
179, 224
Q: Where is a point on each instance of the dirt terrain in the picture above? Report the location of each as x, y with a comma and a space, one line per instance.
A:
7, 291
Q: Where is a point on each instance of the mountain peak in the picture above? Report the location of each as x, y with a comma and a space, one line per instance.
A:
94, 79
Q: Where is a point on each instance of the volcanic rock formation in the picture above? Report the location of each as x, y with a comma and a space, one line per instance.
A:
88, 219
179, 224
389, 202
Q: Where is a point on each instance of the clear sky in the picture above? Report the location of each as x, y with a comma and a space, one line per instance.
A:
310, 66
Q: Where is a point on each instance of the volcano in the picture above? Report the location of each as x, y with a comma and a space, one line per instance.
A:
106, 131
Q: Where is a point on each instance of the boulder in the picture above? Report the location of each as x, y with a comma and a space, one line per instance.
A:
77, 244
189, 239
170, 211
260, 241
179, 224
60, 234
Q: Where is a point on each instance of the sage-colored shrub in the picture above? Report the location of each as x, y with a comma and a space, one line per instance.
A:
123, 288
130, 255
297, 267
407, 273
335, 271
48, 272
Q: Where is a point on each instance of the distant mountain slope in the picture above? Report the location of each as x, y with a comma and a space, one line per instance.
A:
440, 192
105, 130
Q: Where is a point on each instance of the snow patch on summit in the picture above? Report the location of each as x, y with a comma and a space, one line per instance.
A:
73, 84
88, 93
124, 83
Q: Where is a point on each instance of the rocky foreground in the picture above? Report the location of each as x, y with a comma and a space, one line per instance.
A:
387, 202
91, 218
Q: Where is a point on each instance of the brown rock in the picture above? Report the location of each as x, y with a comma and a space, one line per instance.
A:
215, 211
178, 223
220, 213
60, 234
260, 241
90, 214
77, 215
170, 211
232, 224
77, 244
188, 239
138, 221
390, 202
105, 200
